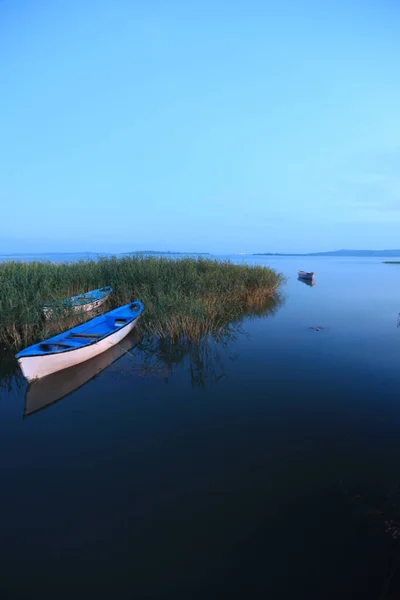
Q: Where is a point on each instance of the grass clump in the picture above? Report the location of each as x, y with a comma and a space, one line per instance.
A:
184, 298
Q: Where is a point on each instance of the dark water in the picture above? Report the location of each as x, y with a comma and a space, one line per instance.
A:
57, 257
265, 467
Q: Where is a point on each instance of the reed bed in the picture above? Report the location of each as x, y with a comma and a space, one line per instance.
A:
184, 298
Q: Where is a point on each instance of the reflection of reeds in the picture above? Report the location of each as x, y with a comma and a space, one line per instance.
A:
142, 370
203, 356
157, 356
10, 376
184, 297
203, 359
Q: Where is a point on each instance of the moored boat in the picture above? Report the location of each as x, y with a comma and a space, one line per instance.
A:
48, 390
79, 343
306, 274
81, 303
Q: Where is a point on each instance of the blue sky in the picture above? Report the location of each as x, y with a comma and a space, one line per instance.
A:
209, 126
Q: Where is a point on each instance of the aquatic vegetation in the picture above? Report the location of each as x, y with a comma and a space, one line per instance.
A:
184, 299
203, 358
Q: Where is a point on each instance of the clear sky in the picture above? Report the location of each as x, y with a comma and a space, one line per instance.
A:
220, 126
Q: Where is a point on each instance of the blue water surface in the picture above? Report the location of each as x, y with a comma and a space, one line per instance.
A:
267, 466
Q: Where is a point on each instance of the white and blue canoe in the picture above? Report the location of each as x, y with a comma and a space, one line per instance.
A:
79, 343
306, 274
82, 302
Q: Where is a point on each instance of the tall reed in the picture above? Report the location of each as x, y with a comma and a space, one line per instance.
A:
184, 297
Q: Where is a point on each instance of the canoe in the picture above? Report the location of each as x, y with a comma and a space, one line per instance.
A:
48, 390
82, 302
79, 343
306, 274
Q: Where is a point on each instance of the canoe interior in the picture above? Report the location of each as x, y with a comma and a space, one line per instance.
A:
89, 297
86, 298
87, 333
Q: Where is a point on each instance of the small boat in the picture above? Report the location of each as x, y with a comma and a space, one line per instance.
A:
48, 390
83, 302
310, 282
79, 343
306, 274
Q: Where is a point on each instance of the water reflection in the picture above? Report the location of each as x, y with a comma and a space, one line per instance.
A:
50, 389
310, 282
204, 361
11, 377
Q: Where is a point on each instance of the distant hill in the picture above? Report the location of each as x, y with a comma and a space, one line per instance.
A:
167, 252
360, 253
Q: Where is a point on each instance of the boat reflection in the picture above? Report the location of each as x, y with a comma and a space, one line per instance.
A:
204, 361
310, 282
48, 390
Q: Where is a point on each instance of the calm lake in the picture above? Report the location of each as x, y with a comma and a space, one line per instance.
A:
267, 466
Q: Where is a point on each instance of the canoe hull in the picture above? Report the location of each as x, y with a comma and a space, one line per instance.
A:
79, 308
45, 391
305, 274
34, 367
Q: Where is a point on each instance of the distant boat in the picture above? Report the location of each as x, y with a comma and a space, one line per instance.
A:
79, 343
48, 390
306, 274
309, 282
83, 302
